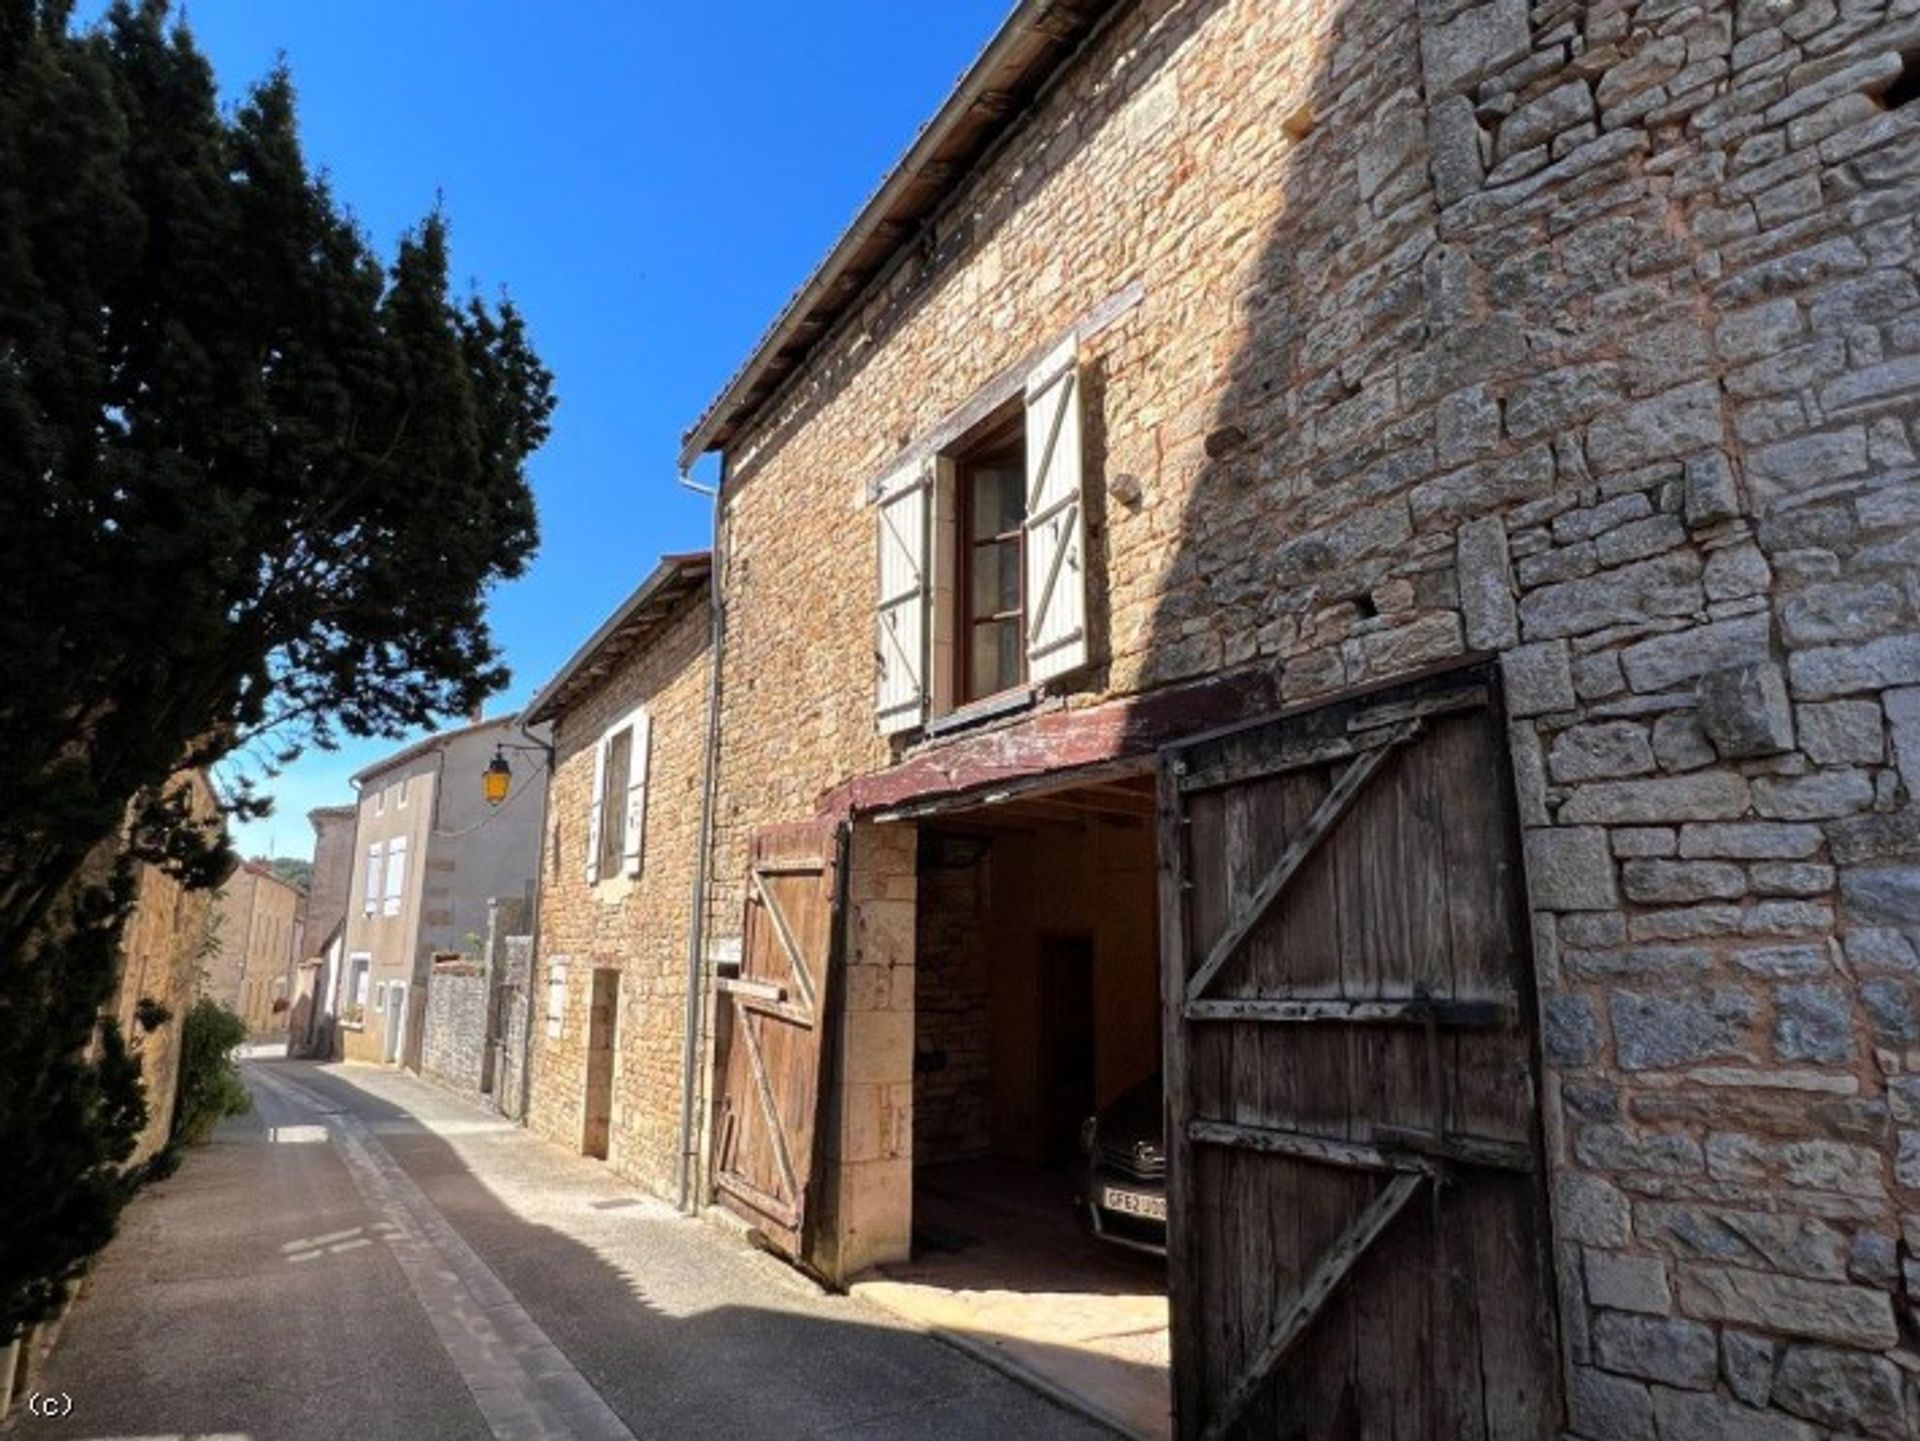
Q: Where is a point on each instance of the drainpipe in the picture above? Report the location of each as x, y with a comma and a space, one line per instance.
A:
533, 923
696, 944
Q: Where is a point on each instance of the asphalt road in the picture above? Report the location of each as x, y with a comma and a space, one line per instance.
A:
364, 1257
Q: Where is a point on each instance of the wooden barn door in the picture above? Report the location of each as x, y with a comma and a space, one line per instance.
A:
1359, 1242
773, 1029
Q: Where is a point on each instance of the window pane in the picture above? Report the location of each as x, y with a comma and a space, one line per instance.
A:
996, 578
999, 499
995, 657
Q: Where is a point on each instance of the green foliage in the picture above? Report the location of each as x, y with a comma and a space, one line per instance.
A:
293, 870
69, 1116
210, 1085
149, 1014
254, 488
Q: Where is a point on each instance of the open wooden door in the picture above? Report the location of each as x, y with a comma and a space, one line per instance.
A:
773, 1033
1359, 1239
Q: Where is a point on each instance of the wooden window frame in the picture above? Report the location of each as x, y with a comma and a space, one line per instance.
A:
1001, 440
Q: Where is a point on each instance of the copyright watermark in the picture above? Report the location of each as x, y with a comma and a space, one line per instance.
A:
49, 1405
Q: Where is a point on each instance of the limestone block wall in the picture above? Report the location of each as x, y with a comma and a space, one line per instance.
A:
638, 925
1585, 334
161, 956
454, 1046
952, 1013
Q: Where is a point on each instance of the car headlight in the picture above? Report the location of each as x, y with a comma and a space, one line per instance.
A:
1089, 1128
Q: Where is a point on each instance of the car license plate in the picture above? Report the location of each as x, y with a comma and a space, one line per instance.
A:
1136, 1203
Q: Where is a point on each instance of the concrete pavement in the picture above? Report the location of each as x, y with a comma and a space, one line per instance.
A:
365, 1256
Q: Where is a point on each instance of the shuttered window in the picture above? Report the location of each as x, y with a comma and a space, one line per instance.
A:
396, 876
370, 893
990, 495
982, 557
613, 776
617, 825
900, 621
1056, 523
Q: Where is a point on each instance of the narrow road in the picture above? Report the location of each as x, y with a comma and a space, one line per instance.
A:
364, 1257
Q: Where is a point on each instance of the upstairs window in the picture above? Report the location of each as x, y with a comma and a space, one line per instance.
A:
991, 492
371, 886
982, 559
396, 876
353, 1010
616, 827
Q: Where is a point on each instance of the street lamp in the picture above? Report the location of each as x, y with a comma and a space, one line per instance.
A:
497, 779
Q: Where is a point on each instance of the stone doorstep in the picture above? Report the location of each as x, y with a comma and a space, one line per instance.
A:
1046, 1367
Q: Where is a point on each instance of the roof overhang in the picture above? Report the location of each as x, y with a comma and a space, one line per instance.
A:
426, 744
991, 98
639, 618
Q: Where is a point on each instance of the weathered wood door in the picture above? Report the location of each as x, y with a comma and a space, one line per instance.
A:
1359, 1242
772, 1032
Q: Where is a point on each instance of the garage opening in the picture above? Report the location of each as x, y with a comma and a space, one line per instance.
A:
1039, 1172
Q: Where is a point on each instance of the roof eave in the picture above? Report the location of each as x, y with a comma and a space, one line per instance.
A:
692, 567
983, 80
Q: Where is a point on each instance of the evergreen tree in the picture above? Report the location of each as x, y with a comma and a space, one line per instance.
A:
254, 488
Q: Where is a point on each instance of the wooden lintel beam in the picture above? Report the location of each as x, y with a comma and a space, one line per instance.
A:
1051, 743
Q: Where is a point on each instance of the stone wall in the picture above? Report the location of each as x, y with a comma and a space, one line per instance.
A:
1586, 334
330, 889
161, 957
953, 1006
454, 1048
515, 1010
639, 925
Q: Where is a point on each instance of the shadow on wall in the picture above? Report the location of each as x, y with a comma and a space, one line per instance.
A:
1297, 544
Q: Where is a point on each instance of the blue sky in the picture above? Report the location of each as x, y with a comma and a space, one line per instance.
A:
649, 180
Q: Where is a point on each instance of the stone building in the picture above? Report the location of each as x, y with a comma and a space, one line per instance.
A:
609, 1068
161, 962
1212, 360
430, 855
256, 938
310, 1026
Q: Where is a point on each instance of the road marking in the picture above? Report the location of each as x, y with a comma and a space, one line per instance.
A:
522, 1383
296, 1135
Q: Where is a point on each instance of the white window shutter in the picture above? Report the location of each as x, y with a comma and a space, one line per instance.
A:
595, 817
370, 894
396, 875
900, 618
634, 840
1056, 569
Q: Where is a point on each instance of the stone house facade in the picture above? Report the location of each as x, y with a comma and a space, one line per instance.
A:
628, 714
310, 1026
161, 959
1582, 336
256, 939
430, 855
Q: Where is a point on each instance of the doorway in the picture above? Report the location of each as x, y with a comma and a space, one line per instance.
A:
1066, 1042
396, 1027
602, 1022
1036, 1026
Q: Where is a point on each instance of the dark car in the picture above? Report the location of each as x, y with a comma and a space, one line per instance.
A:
1122, 1177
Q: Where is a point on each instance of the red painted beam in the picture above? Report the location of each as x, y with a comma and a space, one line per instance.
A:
1059, 741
